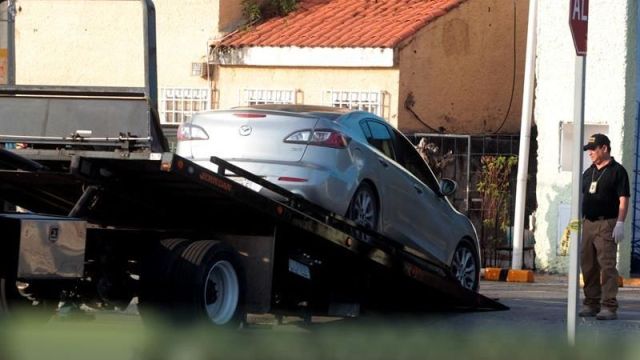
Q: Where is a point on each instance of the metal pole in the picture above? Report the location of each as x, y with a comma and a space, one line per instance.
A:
576, 199
525, 137
11, 42
150, 52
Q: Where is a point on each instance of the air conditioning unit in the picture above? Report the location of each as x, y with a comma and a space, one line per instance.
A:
201, 69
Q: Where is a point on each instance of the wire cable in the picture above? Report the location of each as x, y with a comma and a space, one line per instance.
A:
513, 81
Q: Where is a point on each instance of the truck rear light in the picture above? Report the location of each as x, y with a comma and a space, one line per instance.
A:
292, 179
327, 138
187, 131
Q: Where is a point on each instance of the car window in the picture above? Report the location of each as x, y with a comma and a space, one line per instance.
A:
409, 158
378, 136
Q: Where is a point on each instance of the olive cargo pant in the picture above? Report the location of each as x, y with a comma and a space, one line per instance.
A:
598, 261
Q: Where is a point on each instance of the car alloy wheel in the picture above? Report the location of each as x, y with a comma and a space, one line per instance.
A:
364, 209
464, 267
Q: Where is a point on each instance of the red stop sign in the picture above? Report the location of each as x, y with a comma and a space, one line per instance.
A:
578, 22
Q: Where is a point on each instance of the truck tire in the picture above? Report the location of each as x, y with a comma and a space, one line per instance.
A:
155, 293
12, 302
210, 284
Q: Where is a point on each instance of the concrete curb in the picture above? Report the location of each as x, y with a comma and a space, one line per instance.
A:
632, 282
527, 276
510, 275
622, 282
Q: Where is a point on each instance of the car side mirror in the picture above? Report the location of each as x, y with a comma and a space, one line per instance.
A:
448, 187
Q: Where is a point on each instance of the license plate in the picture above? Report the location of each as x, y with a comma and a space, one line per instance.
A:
299, 269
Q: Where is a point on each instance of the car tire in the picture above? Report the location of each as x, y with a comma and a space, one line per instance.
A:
155, 293
364, 209
465, 266
210, 284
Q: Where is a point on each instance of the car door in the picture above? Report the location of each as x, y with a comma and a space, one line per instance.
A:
389, 180
430, 214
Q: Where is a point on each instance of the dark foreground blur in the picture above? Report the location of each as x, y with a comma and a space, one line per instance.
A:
120, 337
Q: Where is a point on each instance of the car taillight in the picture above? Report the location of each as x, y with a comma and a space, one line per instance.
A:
188, 131
328, 138
292, 179
249, 115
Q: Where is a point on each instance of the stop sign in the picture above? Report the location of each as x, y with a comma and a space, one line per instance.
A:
578, 22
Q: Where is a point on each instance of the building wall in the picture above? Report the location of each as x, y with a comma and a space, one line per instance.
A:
310, 83
100, 42
610, 94
79, 43
460, 69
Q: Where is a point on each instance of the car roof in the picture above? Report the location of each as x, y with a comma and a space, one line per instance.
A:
327, 112
296, 108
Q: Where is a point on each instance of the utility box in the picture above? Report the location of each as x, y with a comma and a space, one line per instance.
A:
42, 247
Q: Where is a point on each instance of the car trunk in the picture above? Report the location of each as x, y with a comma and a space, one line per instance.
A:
250, 135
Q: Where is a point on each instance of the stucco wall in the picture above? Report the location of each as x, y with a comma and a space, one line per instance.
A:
460, 69
610, 94
100, 42
309, 82
79, 43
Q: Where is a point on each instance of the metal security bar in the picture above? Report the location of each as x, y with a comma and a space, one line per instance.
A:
370, 101
265, 96
178, 104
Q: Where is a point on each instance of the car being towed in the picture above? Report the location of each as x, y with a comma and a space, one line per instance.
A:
349, 162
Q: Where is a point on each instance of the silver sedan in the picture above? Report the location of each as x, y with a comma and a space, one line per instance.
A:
349, 162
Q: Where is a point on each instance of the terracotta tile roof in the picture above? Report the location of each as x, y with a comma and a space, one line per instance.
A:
344, 23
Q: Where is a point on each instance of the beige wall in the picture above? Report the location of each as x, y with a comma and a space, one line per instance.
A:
100, 42
460, 69
79, 43
309, 82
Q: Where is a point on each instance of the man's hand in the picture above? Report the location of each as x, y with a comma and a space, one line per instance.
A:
618, 232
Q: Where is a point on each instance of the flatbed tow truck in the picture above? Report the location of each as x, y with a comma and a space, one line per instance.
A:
112, 215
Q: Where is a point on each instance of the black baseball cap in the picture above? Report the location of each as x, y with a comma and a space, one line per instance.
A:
597, 140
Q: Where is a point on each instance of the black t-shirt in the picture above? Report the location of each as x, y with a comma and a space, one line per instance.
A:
612, 183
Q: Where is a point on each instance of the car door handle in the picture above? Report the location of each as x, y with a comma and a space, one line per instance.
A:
417, 188
383, 163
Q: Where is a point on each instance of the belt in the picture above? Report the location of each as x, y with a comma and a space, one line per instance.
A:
598, 218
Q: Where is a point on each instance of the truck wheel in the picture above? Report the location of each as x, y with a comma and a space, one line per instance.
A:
465, 267
12, 301
155, 294
211, 283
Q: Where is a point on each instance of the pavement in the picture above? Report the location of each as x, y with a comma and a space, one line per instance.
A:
540, 307
534, 327
543, 305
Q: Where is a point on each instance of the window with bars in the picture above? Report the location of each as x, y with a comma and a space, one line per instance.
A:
178, 104
370, 101
264, 96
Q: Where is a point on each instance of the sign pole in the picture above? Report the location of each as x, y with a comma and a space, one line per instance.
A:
578, 22
576, 200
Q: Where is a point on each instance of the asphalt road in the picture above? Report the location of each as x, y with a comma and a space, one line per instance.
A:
534, 327
539, 307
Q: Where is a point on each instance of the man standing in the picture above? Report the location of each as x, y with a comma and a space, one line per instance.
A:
605, 189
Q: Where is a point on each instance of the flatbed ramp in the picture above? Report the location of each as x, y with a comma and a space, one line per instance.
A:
172, 194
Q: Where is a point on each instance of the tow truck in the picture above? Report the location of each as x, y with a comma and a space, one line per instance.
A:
108, 214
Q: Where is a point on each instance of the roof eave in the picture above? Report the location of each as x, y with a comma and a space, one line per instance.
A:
294, 56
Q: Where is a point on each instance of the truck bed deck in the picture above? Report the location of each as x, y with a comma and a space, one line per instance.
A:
172, 192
